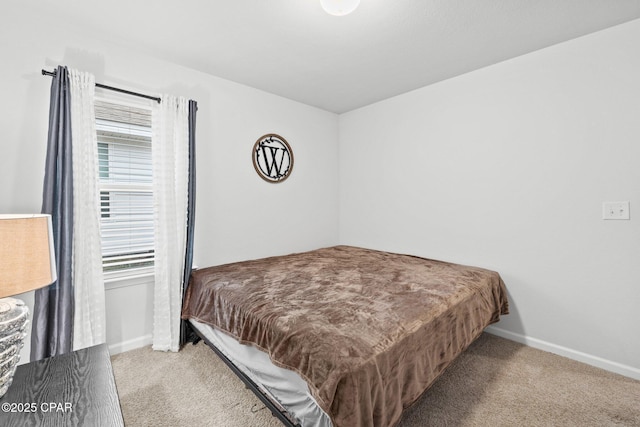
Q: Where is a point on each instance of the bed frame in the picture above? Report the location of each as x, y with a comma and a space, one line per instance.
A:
275, 408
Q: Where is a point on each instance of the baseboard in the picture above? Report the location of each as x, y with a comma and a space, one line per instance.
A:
618, 368
608, 365
123, 346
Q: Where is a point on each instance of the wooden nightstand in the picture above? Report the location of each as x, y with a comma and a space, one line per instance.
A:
75, 389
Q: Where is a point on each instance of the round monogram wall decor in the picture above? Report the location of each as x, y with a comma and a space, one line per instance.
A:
272, 158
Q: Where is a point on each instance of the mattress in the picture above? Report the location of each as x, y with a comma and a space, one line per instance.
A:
368, 331
281, 385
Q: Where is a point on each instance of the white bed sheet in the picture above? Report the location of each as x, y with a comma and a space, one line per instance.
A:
284, 386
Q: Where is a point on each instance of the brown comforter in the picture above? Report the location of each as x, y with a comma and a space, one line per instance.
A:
369, 331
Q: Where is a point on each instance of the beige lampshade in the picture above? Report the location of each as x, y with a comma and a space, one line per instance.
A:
27, 259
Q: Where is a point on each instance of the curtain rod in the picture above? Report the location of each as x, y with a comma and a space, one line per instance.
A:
128, 92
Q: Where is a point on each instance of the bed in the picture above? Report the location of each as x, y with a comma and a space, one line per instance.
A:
361, 333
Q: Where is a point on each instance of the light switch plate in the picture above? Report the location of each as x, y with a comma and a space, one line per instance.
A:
615, 210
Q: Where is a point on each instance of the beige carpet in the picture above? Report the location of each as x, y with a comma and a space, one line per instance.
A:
496, 382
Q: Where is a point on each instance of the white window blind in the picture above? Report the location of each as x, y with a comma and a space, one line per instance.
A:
126, 196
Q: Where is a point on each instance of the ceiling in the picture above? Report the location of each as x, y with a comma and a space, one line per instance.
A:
294, 49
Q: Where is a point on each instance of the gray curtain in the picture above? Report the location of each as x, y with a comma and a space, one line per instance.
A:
52, 330
186, 334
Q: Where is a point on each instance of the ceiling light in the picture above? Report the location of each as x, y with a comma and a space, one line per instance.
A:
339, 7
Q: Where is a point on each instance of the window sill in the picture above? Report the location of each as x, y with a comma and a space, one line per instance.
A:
141, 278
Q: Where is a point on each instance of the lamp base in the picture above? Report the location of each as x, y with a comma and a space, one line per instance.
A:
14, 317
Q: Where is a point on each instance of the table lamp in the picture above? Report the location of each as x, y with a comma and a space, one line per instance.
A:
27, 262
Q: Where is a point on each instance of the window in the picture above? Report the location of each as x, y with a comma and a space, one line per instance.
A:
126, 194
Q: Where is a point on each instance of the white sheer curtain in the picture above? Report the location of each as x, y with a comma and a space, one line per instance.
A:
89, 308
170, 159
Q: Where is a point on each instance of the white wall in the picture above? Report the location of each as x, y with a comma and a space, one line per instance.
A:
507, 168
238, 215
